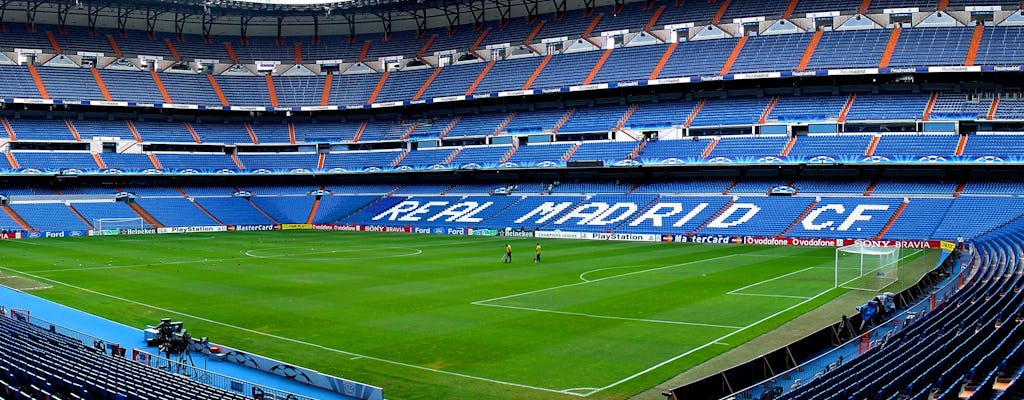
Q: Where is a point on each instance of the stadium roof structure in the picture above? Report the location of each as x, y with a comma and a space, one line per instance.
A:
348, 16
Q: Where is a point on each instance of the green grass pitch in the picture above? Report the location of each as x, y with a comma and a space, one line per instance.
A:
441, 317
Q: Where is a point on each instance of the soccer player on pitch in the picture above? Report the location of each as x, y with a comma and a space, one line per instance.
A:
536, 258
508, 253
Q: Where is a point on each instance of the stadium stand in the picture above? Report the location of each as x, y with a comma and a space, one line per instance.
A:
813, 93
38, 363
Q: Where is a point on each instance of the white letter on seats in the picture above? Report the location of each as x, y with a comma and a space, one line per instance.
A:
399, 208
425, 208
546, 210
809, 223
719, 222
858, 214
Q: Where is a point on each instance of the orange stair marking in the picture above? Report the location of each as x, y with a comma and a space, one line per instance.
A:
195, 135
536, 72
654, 18
377, 89
12, 161
847, 107
664, 60
252, 134
590, 28
231, 52
872, 146
972, 52
895, 216
480, 39
597, 67
426, 84
790, 8
721, 12
534, 32
71, 128
426, 46
479, 78
364, 51
931, 104
156, 163
102, 85
114, 46
325, 94
992, 109
172, 49
734, 55
216, 89
359, 132
135, 132
811, 47
160, 86
961, 145
99, 161
53, 42
271, 91
894, 38
864, 6
39, 81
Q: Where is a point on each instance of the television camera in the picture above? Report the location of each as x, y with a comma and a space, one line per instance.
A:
171, 338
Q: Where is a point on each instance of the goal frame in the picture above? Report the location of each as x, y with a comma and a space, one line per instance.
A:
893, 253
98, 223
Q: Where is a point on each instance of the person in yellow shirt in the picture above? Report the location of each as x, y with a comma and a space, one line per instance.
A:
536, 258
508, 253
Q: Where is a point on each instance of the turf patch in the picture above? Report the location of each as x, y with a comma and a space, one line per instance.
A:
22, 284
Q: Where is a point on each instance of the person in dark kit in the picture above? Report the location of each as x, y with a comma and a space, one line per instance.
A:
508, 253
536, 258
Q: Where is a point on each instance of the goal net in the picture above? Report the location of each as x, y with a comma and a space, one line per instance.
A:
119, 223
860, 267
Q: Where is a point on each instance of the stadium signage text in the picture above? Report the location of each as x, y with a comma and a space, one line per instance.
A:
568, 214
907, 244
378, 228
701, 239
512, 233
414, 211
137, 231
192, 229
246, 228
766, 241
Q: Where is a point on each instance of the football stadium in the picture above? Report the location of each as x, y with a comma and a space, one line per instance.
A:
511, 199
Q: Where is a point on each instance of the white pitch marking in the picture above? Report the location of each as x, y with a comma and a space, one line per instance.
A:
478, 302
770, 295
415, 252
704, 346
296, 341
134, 265
768, 280
657, 321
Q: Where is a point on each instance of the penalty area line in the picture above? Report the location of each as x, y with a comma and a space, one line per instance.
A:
656, 321
300, 342
704, 346
584, 282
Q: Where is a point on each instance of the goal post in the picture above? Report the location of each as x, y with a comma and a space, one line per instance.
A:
119, 223
868, 268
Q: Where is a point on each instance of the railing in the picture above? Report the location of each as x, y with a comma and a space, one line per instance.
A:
179, 367
184, 366
878, 335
